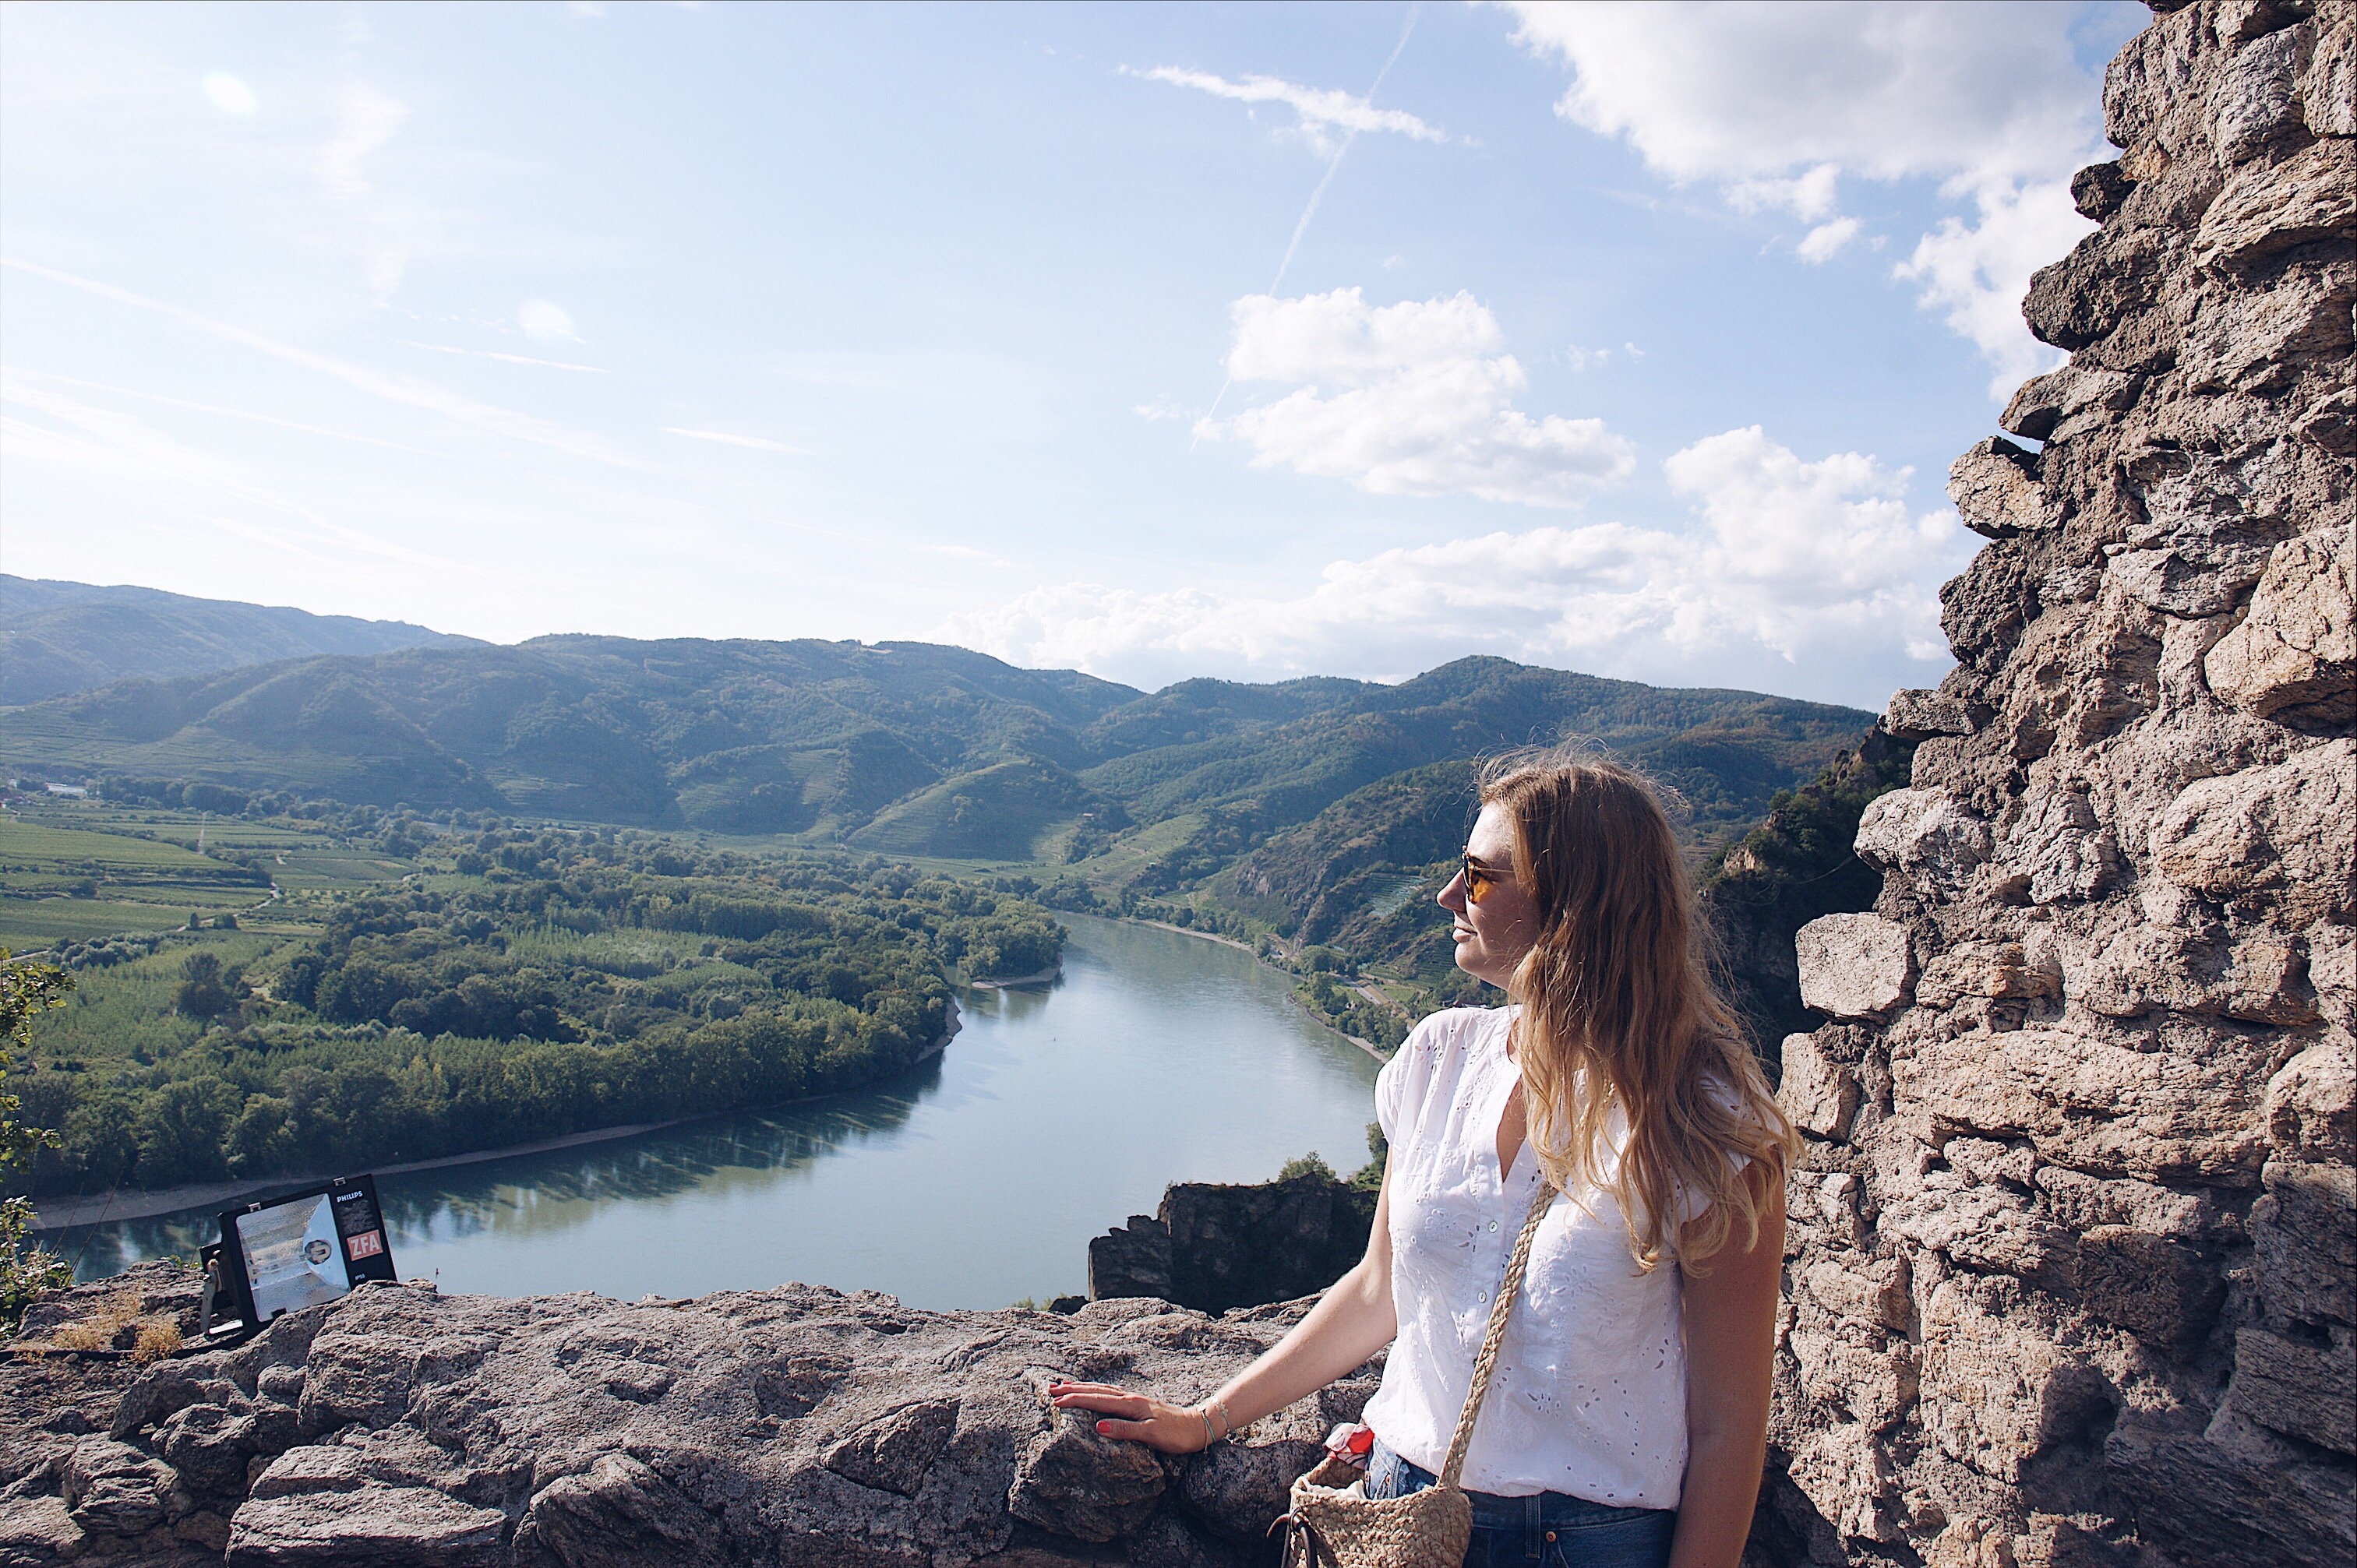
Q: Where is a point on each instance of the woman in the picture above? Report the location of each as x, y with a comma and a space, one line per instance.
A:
1626, 1418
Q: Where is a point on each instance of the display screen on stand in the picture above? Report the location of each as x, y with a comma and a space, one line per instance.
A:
284, 1253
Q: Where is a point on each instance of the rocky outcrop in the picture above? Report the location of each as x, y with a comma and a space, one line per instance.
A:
798, 1425
2068, 1278
1213, 1246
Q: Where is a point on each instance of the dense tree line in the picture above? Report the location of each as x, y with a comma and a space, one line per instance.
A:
562, 983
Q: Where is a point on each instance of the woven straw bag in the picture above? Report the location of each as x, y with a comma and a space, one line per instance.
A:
1333, 1524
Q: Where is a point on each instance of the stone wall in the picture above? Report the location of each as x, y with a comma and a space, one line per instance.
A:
2070, 1271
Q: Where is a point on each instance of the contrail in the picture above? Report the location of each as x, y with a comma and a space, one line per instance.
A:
1317, 196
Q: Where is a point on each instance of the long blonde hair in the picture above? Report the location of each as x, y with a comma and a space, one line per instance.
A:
1618, 1009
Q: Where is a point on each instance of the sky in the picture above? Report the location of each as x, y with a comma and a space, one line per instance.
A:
1156, 341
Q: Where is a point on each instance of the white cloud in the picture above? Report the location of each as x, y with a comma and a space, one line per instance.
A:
968, 553
1824, 241
229, 94
247, 415
507, 358
403, 391
1976, 274
1159, 409
108, 443
755, 443
1412, 399
539, 318
366, 119
1818, 567
1319, 111
1777, 102
1809, 194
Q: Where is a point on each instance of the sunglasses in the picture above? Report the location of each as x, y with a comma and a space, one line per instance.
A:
1480, 878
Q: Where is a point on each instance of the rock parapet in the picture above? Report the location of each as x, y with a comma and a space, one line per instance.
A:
2068, 1278
792, 1426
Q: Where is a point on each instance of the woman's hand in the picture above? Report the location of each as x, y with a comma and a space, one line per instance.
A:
1351, 1322
1173, 1429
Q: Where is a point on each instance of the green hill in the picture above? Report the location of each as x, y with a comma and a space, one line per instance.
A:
57, 638
1310, 801
999, 812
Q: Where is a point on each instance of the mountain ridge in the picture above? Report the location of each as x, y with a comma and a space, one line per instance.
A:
57, 638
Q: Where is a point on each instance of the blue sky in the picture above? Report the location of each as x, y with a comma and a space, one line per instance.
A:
1632, 341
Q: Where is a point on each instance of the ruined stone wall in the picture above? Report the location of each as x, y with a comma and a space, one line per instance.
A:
2069, 1272
1212, 1246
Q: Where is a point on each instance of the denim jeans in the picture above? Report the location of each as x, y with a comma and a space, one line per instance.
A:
1550, 1530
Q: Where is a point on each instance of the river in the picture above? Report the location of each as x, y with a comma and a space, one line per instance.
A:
978, 1179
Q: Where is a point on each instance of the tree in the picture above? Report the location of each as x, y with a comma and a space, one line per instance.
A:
206, 991
25, 989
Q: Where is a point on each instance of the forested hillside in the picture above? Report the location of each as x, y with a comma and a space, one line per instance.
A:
60, 638
905, 748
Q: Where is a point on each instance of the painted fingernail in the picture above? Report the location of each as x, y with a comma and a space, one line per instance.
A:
1103, 1428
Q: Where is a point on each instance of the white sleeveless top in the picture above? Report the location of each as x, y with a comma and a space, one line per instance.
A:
1589, 1394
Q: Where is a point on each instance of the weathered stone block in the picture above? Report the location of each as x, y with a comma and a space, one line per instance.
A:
1990, 1229
2091, 1105
1853, 966
2097, 192
1132, 1261
1819, 1095
2059, 845
1997, 1392
2231, 1501
1918, 715
1995, 971
2328, 88
2046, 407
617, 1511
2259, 979
1924, 835
2255, 101
1996, 489
2312, 1104
1866, 1291
2294, 658
370, 1527
2266, 209
2280, 833
894, 1452
113, 1488
2304, 1247
2158, 1289
1845, 1472
1073, 1482
2309, 1391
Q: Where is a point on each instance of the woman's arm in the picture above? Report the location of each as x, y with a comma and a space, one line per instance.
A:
1351, 1322
1730, 1315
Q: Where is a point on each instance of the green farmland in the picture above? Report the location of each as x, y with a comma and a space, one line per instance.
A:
72, 872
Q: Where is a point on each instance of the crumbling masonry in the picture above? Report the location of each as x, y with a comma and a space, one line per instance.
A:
2070, 1277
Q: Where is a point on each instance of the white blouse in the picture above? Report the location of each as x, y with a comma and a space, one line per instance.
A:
1589, 1394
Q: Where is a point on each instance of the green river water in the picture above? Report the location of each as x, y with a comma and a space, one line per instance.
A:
978, 1179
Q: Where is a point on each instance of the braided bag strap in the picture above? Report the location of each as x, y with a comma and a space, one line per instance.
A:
1484, 1363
